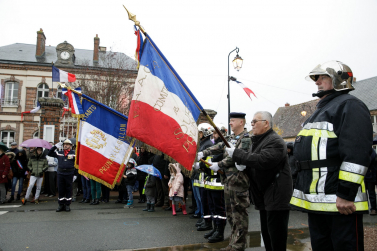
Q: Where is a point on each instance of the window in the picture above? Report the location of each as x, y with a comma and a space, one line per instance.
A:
7, 137
11, 94
59, 93
49, 132
42, 91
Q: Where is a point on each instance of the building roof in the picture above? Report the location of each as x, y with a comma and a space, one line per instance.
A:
26, 53
366, 91
288, 119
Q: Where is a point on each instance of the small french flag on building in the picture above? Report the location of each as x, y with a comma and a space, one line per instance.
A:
62, 76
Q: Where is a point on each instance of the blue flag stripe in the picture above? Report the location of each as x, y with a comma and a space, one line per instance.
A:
160, 67
104, 117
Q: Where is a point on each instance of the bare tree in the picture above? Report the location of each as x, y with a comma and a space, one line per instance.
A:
111, 82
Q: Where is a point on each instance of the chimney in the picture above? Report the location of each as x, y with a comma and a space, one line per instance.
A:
96, 50
41, 41
287, 104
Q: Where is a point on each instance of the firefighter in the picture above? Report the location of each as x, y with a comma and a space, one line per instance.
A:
66, 173
333, 154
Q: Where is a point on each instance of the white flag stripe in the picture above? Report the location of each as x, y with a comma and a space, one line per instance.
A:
87, 138
156, 95
63, 76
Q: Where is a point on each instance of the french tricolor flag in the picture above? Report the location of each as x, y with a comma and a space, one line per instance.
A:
36, 109
246, 89
163, 110
74, 100
62, 76
102, 148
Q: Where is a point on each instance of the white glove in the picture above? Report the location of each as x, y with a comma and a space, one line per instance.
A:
59, 145
215, 166
196, 165
200, 155
230, 150
74, 178
240, 167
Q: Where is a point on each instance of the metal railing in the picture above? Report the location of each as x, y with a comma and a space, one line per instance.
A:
35, 102
13, 102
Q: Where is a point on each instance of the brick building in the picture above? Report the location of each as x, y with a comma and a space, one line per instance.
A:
26, 77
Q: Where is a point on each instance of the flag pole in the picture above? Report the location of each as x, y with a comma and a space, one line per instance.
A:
132, 17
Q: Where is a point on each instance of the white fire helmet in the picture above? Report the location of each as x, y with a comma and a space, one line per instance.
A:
341, 75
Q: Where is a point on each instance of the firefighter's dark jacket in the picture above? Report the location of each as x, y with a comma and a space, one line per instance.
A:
66, 164
339, 136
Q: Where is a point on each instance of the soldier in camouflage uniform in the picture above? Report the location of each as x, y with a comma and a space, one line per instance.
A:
235, 181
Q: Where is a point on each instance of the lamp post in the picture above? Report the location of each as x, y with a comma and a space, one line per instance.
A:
237, 63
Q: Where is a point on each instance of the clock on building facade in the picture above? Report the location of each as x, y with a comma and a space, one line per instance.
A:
65, 54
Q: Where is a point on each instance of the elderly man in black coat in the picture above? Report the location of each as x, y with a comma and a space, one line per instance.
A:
270, 179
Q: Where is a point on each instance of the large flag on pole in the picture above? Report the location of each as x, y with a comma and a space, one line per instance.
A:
163, 110
102, 145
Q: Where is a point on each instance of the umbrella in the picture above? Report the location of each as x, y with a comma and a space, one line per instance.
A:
149, 169
3, 147
36, 143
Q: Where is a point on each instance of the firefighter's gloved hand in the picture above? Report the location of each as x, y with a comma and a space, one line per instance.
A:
240, 167
230, 150
200, 155
196, 165
59, 145
215, 166
74, 178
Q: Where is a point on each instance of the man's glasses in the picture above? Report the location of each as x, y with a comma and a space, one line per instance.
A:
255, 121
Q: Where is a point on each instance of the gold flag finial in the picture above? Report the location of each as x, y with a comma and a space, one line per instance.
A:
132, 17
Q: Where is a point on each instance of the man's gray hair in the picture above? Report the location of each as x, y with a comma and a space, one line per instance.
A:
265, 116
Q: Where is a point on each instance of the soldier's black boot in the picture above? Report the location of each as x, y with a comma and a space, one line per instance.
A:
218, 235
67, 208
11, 199
152, 208
60, 208
199, 222
209, 234
148, 207
206, 225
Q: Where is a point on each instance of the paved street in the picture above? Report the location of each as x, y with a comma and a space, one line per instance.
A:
111, 227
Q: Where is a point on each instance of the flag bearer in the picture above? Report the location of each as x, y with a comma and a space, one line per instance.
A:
333, 154
236, 182
66, 172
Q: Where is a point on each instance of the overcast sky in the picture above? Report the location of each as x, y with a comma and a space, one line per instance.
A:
280, 41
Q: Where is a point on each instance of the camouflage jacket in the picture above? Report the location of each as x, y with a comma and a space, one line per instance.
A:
235, 180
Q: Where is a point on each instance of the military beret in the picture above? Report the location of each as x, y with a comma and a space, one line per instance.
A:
13, 144
237, 115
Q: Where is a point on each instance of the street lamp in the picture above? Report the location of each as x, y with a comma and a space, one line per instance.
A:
237, 63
